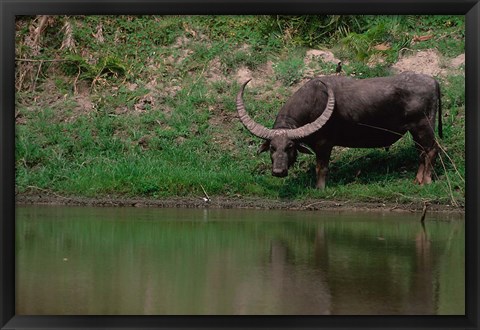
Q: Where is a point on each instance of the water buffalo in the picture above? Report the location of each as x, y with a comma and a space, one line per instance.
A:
357, 113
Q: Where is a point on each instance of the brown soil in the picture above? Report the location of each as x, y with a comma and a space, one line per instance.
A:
429, 62
426, 62
46, 198
259, 77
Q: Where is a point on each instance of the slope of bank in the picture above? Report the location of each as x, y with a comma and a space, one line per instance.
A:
144, 107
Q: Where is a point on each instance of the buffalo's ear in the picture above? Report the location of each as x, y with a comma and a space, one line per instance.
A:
304, 149
264, 147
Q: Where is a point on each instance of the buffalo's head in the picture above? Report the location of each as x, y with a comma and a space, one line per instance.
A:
283, 153
283, 143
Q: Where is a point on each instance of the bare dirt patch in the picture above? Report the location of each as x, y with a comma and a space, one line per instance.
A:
425, 61
324, 55
430, 62
83, 99
244, 74
84, 102
458, 61
376, 59
260, 77
214, 72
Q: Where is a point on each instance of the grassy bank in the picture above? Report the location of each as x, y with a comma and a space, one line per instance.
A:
145, 106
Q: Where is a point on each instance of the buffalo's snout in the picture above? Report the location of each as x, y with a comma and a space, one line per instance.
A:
279, 172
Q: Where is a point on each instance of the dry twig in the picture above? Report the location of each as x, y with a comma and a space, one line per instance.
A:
207, 198
68, 40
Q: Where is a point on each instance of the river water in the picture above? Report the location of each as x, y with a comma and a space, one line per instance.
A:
84, 260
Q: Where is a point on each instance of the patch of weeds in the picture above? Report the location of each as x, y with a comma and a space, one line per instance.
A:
314, 30
203, 52
77, 66
121, 97
111, 66
453, 108
453, 92
63, 86
448, 45
447, 32
325, 68
235, 28
356, 46
221, 87
361, 70
381, 36
250, 58
290, 70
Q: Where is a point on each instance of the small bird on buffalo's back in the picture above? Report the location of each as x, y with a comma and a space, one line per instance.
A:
338, 70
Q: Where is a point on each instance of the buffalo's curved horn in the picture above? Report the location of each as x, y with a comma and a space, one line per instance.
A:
255, 128
310, 128
296, 133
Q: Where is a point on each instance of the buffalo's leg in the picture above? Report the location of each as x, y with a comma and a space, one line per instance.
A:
323, 157
421, 170
429, 161
427, 147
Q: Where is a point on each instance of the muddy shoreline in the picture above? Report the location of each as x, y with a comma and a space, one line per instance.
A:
231, 202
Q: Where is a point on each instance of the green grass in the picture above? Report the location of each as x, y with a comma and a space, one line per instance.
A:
159, 125
290, 70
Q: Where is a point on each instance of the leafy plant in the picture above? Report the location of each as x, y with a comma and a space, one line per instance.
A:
76, 65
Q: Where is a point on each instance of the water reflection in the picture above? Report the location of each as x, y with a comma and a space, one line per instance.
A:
178, 261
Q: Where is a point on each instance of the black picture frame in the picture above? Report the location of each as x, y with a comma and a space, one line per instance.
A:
9, 9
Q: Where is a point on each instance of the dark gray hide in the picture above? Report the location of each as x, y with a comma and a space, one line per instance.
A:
367, 113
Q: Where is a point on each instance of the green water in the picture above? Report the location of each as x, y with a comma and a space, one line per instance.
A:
79, 260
